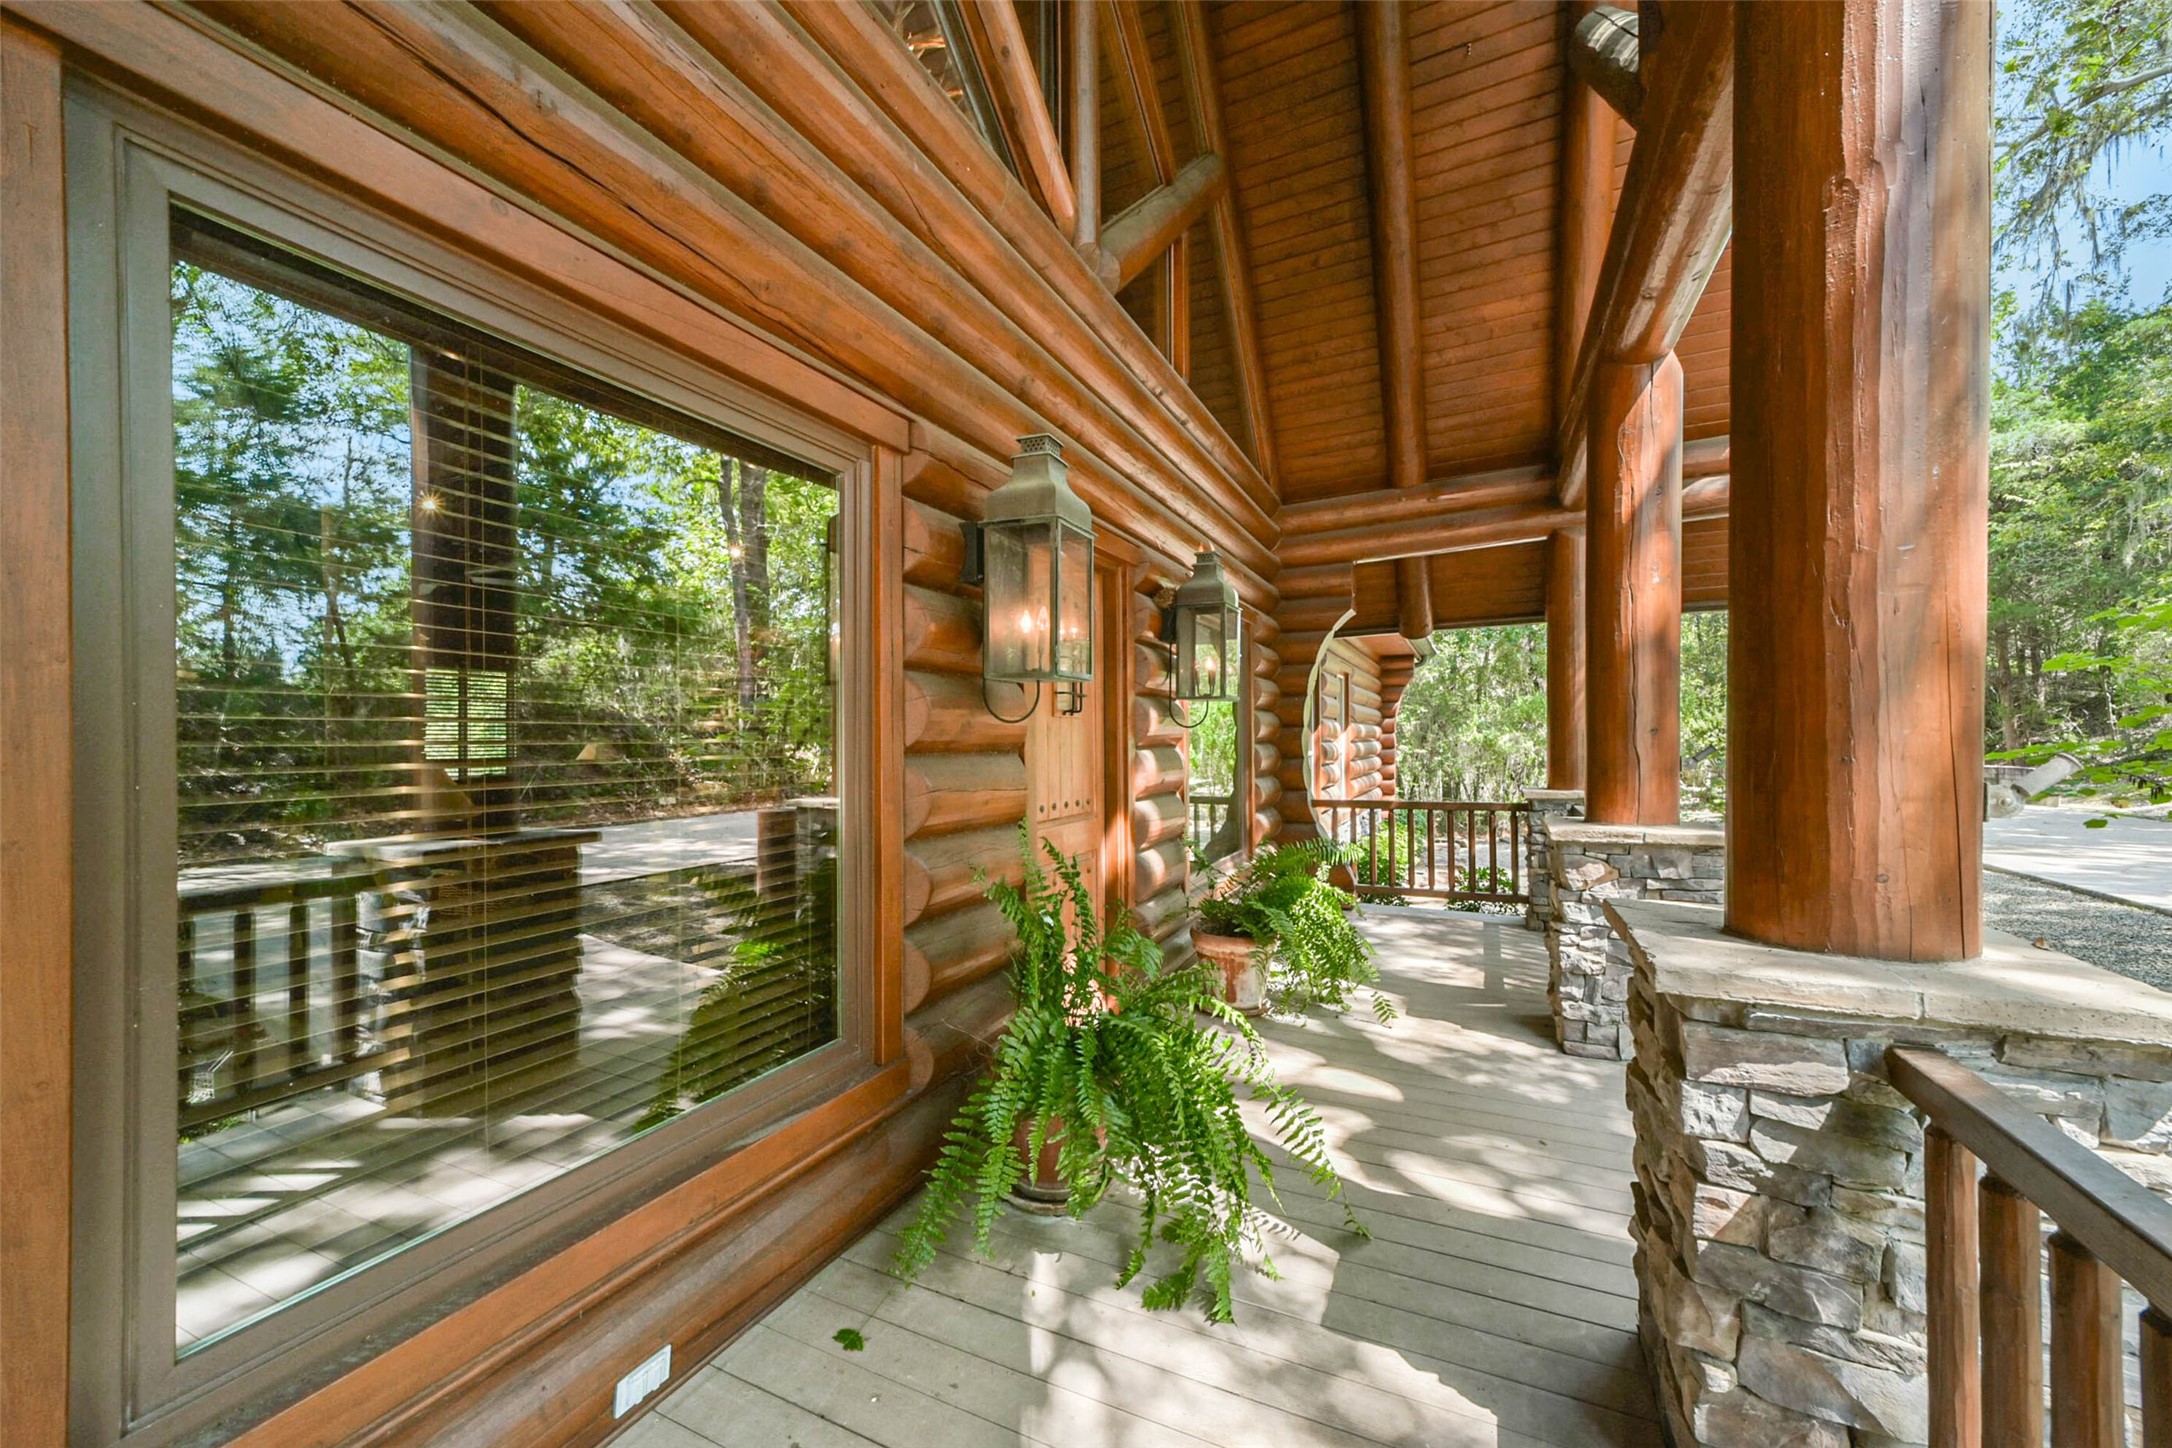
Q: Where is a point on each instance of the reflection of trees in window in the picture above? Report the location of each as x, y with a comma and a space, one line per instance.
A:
1211, 748
504, 764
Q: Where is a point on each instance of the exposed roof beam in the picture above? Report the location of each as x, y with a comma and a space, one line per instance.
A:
1142, 104
1384, 66
1490, 527
1676, 212
1457, 494
1203, 96
1000, 44
1083, 77
1127, 36
1603, 53
1588, 134
1144, 230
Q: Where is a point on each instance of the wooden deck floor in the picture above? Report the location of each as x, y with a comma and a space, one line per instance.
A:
1494, 1304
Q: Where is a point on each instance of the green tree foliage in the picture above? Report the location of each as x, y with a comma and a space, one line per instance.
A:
2080, 82
670, 603
2081, 544
1472, 723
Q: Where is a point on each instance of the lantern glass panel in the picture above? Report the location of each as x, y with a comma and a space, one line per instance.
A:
1018, 591
1075, 605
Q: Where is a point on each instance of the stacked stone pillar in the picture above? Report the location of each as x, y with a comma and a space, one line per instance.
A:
1779, 1215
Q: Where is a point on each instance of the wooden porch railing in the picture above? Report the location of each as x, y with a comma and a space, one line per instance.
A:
1985, 1272
239, 1050
1459, 851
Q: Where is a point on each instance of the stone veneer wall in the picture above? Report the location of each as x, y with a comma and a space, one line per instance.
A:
1587, 865
1779, 1214
1548, 806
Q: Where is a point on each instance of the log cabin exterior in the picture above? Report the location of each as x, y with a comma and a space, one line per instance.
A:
1419, 315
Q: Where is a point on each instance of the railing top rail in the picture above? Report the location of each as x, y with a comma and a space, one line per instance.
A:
2121, 1222
1329, 802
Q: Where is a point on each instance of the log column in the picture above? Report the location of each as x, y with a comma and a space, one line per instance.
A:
1565, 725
1861, 359
1633, 602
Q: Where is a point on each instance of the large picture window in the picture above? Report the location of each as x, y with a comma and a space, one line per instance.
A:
503, 756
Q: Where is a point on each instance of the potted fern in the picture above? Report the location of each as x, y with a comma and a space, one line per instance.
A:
1281, 909
1106, 1078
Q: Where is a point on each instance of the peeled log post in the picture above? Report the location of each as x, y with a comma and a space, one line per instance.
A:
1565, 724
1082, 33
1384, 73
945, 793
1861, 327
1633, 600
946, 713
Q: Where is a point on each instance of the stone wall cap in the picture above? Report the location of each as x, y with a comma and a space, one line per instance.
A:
1552, 796
1683, 837
2012, 986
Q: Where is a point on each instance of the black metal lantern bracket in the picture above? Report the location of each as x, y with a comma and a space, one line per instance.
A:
1206, 587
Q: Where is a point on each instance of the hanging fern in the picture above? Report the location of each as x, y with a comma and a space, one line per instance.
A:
1106, 1047
1283, 900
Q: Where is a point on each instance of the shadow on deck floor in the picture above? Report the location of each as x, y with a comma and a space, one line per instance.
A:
1494, 1306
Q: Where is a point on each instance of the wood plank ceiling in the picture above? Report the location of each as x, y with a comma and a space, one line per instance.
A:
1487, 88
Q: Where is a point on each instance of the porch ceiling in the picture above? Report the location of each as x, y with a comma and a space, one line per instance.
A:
1488, 84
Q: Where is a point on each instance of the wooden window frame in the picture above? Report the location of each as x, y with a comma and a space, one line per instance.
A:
127, 165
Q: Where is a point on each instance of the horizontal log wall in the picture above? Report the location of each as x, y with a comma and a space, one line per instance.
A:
965, 770
1160, 814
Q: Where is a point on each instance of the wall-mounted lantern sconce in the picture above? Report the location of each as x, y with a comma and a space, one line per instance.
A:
1033, 556
1205, 624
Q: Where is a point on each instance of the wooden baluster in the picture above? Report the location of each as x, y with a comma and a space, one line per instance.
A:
1470, 848
2086, 1390
1372, 843
346, 977
1432, 862
297, 986
1493, 852
2012, 1249
1949, 1185
244, 1000
2156, 1379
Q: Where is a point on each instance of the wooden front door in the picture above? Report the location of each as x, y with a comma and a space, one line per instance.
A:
1063, 779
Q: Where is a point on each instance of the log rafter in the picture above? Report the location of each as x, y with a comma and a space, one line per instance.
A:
1338, 525
1203, 98
1676, 213
1142, 104
1384, 64
999, 43
553, 141
904, 142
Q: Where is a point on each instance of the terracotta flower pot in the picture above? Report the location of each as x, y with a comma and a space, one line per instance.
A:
1243, 966
1042, 1189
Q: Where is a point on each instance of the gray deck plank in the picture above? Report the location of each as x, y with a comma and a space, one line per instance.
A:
1492, 1308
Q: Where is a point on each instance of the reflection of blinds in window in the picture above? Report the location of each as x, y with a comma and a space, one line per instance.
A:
504, 769
464, 721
